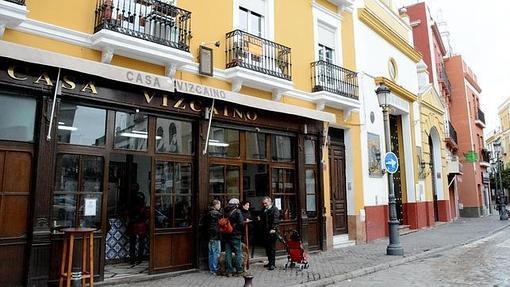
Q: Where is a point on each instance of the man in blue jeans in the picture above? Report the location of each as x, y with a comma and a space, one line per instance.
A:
233, 240
214, 235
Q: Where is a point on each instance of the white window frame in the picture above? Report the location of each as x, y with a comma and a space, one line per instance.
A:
268, 19
324, 18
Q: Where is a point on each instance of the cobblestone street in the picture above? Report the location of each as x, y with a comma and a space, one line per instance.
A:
328, 267
482, 263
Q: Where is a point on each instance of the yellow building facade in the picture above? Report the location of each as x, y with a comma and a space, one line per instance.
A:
173, 104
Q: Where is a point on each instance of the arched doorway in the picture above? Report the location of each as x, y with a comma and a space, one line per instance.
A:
435, 169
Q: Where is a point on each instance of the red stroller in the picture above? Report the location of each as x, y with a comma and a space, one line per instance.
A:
296, 254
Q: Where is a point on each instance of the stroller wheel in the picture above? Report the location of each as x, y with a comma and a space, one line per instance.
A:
307, 265
286, 265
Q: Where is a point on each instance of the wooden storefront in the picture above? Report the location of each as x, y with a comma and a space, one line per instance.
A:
113, 145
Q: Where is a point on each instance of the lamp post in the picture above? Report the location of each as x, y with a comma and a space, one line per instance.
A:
394, 247
502, 207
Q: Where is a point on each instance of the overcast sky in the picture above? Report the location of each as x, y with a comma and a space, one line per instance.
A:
480, 32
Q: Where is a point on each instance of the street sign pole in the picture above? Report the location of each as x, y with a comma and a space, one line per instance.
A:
394, 247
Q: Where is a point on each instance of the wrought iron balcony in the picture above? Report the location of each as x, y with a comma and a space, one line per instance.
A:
19, 2
485, 156
258, 54
481, 116
451, 134
150, 20
443, 77
334, 79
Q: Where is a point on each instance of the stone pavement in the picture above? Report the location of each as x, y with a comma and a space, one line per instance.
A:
341, 264
482, 263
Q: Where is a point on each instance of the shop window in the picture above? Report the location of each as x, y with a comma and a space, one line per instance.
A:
81, 125
284, 193
282, 148
311, 197
173, 136
131, 131
224, 182
17, 118
310, 157
173, 194
223, 142
255, 146
78, 191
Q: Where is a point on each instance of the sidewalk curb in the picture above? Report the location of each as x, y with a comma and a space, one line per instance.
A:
383, 266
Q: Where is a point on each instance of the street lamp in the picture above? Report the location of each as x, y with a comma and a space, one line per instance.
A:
394, 247
502, 207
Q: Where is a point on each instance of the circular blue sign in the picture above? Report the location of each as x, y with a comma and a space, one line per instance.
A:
391, 162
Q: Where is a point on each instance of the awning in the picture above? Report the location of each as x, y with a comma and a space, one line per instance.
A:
153, 81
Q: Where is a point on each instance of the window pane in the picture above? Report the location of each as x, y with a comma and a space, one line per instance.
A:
163, 211
64, 207
256, 24
282, 181
309, 152
287, 205
283, 148
174, 136
243, 19
17, 118
164, 177
183, 178
311, 207
131, 131
255, 145
224, 142
90, 216
182, 211
81, 125
66, 173
92, 174
233, 181
216, 179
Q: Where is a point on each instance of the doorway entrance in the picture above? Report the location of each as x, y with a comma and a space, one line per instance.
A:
337, 181
433, 175
396, 145
128, 212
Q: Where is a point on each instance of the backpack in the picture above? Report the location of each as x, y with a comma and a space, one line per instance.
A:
224, 224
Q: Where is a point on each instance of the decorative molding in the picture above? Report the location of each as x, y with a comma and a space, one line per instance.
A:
106, 55
277, 95
170, 70
245, 77
396, 89
371, 20
330, 14
12, 14
54, 32
237, 85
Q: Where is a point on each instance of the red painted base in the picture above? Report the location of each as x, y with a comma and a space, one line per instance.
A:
444, 210
376, 222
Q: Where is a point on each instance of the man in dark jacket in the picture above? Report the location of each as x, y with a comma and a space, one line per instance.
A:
233, 240
270, 220
213, 216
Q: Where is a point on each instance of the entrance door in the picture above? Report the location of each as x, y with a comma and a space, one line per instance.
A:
172, 245
128, 213
433, 175
337, 182
397, 176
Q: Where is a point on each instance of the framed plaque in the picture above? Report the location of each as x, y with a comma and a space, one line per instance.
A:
206, 61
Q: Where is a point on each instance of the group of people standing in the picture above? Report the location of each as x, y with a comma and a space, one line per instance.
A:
239, 217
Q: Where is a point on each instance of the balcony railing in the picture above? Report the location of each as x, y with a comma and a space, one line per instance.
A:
452, 133
443, 77
19, 2
481, 116
149, 20
334, 79
252, 52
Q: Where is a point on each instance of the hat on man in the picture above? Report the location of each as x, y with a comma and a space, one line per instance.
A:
233, 201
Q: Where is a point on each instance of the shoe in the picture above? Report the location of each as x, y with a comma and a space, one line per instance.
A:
266, 265
228, 274
239, 274
213, 273
272, 267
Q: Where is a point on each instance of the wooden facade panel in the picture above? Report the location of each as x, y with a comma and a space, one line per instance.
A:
182, 248
17, 172
313, 234
13, 216
163, 251
2, 165
12, 271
